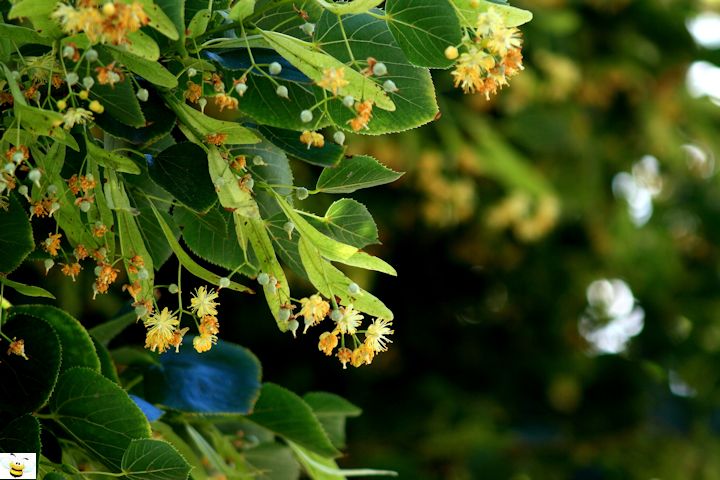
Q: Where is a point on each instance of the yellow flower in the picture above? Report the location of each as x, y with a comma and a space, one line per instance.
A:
161, 330
376, 335
17, 347
471, 69
345, 356
203, 302
209, 325
177, 338
503, 40
71, 269
362, 355
314, 310
333, 79
204, 342
76, 116
349, 321
312, 139
52, 243
328, 342
489, 22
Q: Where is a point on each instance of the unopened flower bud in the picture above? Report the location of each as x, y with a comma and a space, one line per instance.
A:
224, 282
91, 55
339, 137
282, 92
275, 68
302, 193
379, 69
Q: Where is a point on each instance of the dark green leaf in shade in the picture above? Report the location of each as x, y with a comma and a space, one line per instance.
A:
286, 246
120, 103
332, 411
76, 346
286, 414
424, 29
97, 414
355, 173
27, 384
225, 380
107, 367
182, 170
370, 37
288, 140
147, 459
20, 435
348, 221
151, 232
159, 121
16, 240
211, 236
106, 331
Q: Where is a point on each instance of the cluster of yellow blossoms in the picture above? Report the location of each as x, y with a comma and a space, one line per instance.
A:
164, 327
109, 22
347, 322
493, 54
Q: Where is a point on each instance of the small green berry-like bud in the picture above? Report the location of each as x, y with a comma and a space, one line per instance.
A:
302, 193
52, 189
203, 103
354, 288
263, 278
49, 262
88, 82
241, 88
289, 227
34, 176
306, 116
282, 92
85, 206
142, 95
191, 72
91, 55
293, 326
9, 168
141, 311
284, 315
339, 137
335, 315
258, 160
72, 78
275, 68
224, 282
349, 101
18, 157
97, 270
68, 52
173, 288
143, 274
389, 86
308, 28
379, 69
23, 190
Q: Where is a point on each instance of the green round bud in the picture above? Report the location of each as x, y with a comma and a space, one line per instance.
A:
379, 69
224, 282
354, 288
91, 55
85, 206
173, 288
339, 137
306, 116
263, 278
335, 315
275, 68
282, 92
302, 193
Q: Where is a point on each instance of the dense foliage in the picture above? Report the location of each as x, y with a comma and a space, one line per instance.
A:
138, 134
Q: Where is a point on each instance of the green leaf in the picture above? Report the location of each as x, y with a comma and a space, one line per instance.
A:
120, 103
143, 45
97, 414
211, 236
106, 331
320, 468
224, 380
16, 240
424, 29
20, 435
188, 262
152, 234
107, 366
112, 160
43, 122
27, 290
512, 16
349, 222
370, 37
355, 173
332, 282
147, 459
202, 125
180, 169
287, 415
198, 24
285, 245
232, 197
38, 12
272, 461
255, 231
332, 411
159, 20
76, 346
151, 71
313, 62
241, 10
27, 384
165, 432
355, 6
20, 36
159, 122
327, 156
329, 247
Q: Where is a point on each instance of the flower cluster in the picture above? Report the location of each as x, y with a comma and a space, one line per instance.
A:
203, 305
110, 22
492, 54
346, 331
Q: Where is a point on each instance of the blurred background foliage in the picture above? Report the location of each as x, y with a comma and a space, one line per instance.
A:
557, 307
